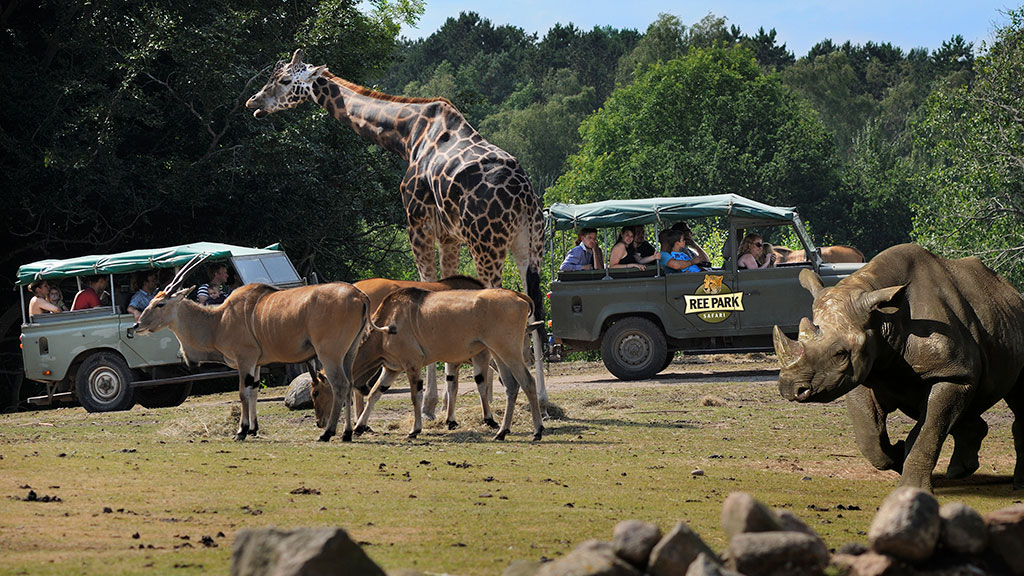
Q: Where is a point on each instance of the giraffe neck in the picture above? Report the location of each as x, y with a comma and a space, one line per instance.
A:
395, 123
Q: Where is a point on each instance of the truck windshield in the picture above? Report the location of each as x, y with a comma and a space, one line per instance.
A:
267, 269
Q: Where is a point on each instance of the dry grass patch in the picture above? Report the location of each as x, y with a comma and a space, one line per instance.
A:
450, 501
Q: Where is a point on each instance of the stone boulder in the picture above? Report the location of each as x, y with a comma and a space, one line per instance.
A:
298, 395
676, 552
776, 554
299, 552
591, 558
907, 525
633, 541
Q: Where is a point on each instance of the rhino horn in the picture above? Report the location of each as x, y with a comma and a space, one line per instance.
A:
811, 282
808, 330
789, 351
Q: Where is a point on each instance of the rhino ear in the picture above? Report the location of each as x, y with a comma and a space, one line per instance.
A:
811, 281
886, 300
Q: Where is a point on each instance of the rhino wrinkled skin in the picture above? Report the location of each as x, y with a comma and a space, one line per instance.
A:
940, 340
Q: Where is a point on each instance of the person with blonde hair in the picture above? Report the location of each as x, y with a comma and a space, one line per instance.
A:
751, 248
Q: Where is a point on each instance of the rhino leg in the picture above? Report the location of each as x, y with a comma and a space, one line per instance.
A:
1016, 403
967, 437
869, 427
945, 404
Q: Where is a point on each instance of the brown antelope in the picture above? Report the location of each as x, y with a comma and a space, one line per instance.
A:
258, 325
453, 326
829, 254
379, 288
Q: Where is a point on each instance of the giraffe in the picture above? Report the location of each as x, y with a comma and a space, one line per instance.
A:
458, 187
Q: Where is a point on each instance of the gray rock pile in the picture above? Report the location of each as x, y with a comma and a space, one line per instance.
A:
910, 536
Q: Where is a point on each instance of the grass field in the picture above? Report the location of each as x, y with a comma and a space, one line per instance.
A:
165, 491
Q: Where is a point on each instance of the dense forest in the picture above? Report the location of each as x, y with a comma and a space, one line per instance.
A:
124, 126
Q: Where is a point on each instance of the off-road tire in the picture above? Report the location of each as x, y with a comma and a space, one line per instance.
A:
634, 348
166, 396
103, 383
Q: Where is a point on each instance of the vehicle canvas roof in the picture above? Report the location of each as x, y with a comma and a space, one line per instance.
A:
662, 210
133, 261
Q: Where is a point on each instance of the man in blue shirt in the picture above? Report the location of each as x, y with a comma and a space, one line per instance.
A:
147, 289
674, 257
586, 255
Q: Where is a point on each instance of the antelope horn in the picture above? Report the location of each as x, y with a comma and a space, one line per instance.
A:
789, 351
185, 271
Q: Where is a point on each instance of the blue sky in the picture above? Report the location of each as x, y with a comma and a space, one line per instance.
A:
799, 23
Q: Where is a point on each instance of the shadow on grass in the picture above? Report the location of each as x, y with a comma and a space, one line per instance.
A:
994, 485
668, 377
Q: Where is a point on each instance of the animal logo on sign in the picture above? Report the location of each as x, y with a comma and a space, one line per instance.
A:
712, 284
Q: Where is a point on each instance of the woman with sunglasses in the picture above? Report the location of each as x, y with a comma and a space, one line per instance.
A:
750, 249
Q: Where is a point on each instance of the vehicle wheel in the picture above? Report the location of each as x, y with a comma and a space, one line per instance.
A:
103, 383
668, 360
164, 396
633, 349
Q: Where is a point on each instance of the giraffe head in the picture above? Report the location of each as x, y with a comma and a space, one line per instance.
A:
290, 84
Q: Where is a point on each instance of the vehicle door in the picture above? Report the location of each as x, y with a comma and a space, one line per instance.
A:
701, 302
773, 296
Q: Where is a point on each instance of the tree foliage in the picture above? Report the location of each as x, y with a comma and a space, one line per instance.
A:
124, 126
708, 123
972, 202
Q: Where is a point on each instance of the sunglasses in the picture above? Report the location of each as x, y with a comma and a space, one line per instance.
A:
758, 244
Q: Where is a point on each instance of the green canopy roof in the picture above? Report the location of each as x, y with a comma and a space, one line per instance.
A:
661, 210
132, 261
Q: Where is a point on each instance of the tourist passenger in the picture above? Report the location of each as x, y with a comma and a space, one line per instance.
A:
751, 247
697, 254
57, 299
218, 278
586, 255
89, 297
146, 282
674, 257
39, 304
624, 253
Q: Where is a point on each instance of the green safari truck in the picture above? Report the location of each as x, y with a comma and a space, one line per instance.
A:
639, 319
94, 357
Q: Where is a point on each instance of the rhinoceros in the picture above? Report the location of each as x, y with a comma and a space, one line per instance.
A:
940, 340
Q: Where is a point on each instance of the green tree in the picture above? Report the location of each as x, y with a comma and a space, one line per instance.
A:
542, 134
124, 126
973, 139
708, 123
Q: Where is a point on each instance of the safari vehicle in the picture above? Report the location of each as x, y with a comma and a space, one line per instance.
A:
93, 356
640, 318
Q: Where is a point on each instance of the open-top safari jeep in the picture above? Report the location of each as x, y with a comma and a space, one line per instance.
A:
93, 355
639, 319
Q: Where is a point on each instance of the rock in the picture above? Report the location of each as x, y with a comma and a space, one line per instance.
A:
591, 558
790, 522
300, 552
633, 541
869, 564
742, 513
676, 551
522, 568
776, 554
705, 565
907, 525
962, 529
1006, 535
298, 395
